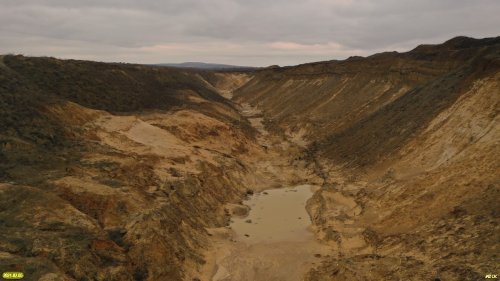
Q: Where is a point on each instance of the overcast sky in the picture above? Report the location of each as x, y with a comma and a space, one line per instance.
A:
242, 32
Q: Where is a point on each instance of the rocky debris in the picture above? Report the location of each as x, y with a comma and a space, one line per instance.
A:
238, 210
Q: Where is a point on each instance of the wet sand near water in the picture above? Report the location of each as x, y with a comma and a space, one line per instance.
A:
272, 243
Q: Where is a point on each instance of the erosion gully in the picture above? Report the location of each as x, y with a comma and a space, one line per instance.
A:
272, 239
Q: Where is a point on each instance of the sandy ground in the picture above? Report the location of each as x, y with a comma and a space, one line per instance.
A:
276, 244
286, 256
266, 261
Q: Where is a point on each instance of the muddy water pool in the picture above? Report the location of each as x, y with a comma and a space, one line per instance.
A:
273, 242
276, 215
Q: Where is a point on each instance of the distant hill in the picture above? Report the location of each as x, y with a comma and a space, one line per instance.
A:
209, 66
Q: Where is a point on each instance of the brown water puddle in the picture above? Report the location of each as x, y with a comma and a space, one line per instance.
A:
277, 215
273, 242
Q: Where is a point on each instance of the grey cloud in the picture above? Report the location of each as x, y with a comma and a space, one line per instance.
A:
130, 29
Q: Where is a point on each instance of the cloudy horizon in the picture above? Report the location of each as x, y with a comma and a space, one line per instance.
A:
238, 32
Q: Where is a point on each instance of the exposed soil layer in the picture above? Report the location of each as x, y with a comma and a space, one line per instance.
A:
127, 188
130, 172
407, 145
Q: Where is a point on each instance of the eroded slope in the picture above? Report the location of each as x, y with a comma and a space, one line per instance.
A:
407, 145
114, 172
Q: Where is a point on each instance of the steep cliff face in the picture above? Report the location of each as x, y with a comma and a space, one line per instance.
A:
406, 144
